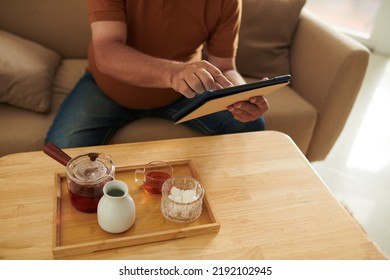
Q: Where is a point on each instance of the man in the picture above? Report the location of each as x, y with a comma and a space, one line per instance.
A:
145, 59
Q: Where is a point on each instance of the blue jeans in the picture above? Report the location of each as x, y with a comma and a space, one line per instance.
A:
87, 117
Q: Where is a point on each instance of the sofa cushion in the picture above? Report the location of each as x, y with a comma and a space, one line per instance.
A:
61, 26
288, 111
25, 130
27, 70
150, 129
266, 33
68, 74
291, 114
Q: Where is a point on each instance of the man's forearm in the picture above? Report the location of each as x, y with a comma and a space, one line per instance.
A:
133, 67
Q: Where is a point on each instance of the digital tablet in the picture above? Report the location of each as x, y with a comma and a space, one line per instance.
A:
212, 101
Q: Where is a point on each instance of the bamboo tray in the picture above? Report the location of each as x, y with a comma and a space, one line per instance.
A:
77, 233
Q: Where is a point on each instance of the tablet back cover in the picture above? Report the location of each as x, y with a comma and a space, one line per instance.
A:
220, 104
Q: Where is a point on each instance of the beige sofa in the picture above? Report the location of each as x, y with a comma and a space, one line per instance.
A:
275, 38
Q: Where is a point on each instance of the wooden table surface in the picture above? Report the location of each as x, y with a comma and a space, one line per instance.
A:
270, 202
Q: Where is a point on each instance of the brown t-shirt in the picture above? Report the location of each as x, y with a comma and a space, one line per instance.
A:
170, 29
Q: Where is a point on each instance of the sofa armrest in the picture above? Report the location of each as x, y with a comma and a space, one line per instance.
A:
328, 68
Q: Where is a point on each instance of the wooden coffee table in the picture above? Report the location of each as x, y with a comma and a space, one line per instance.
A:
269, 201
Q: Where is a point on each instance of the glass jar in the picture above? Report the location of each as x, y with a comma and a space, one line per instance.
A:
181, 200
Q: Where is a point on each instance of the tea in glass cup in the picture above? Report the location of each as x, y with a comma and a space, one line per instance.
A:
153, 176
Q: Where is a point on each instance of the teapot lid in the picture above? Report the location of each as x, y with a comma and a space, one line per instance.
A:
90, 167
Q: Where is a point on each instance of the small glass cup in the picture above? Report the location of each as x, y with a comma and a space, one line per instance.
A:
181, 200
153, 176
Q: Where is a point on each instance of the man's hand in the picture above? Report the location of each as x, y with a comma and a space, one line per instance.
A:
246, 111
196, 77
